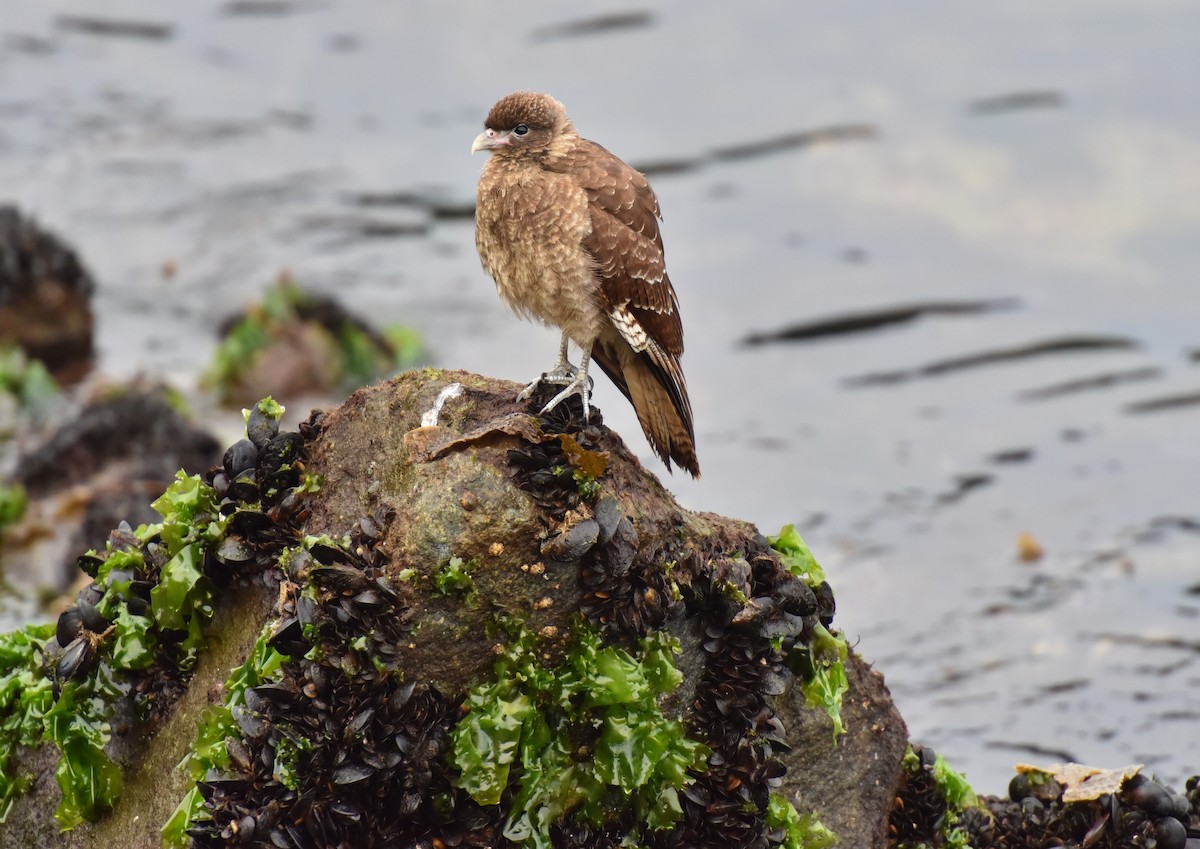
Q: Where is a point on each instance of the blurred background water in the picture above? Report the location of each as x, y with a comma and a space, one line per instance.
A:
937, 265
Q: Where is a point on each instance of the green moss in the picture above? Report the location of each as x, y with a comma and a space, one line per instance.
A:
586, 737
800, 831
822, 663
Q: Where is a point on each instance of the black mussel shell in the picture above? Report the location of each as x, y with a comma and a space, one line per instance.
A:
1170, 834
1150, 796
289, 638
77, 659
92, 619
260, 428
89, 563
352, 774
572, 544
234, 549
244, 488
249, 522
242, 455
339, 578
70, 622
608, 516
91, 594
329, 554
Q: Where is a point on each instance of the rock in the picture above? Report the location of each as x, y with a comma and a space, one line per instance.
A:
406, 544
45, 297
103, 465
298, 344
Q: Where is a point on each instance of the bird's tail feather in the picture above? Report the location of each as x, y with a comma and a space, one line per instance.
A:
653, 382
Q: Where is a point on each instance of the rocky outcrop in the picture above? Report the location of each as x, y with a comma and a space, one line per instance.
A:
481, 626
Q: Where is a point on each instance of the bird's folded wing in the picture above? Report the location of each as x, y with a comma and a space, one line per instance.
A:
627, 248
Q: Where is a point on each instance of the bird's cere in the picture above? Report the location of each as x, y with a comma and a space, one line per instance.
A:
490, 140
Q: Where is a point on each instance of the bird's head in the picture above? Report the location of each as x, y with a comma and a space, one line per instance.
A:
523, 124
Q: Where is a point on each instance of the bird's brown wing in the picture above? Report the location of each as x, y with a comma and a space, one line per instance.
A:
626, 244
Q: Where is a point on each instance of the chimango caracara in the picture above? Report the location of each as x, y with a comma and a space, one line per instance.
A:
570, 234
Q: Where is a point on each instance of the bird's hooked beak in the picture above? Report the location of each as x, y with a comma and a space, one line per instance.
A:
491, 139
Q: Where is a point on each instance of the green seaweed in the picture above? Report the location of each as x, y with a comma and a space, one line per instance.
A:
455, 577
170, 629
800, 831
581, 738
209, 751
361, 356
955, 790
822, 663
27, 380
796, 557
26, 695
12, 504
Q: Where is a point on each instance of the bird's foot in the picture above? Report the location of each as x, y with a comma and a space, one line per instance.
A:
558, 376
581, 385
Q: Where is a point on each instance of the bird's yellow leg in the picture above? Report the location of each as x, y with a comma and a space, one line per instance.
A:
561, 373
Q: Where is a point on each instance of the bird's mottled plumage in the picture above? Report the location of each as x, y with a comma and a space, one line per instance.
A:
570, 234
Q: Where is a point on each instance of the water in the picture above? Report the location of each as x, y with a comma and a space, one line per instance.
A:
234, 141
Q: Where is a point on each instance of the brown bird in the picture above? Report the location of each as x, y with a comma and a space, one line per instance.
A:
570, 234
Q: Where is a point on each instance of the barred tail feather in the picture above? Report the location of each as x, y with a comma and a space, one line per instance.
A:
653, 382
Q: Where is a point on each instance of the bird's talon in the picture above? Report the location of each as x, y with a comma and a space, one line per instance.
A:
563, 375
581, 386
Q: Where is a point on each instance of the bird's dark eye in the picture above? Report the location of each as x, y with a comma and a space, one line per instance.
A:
520, 129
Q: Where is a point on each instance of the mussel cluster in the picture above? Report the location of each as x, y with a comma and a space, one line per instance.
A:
624, 595
378, 774
1145, 814
753, 613
82, 629
29, 255
919, 809
255, 487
